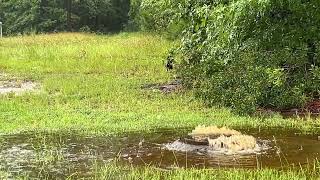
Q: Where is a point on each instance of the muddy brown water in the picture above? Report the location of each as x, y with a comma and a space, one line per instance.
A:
63, 155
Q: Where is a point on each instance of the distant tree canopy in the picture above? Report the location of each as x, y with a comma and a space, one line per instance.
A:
23, 16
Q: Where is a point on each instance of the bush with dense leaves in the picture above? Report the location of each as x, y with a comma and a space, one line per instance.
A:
161, 16
247, 54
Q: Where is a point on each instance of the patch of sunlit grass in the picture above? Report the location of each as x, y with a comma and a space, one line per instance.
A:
115, 171
92, 84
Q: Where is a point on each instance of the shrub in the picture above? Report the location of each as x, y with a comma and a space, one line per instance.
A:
247, 54
157, 16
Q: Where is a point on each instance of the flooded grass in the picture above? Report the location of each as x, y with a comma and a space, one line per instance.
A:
66, 155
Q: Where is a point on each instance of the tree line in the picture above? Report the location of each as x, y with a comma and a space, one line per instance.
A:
24, 16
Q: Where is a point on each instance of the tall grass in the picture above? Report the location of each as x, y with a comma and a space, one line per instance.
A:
126, 172
91, 84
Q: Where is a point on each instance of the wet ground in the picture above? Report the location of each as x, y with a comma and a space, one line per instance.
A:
58, 155
170, 87
7, 87
16, 86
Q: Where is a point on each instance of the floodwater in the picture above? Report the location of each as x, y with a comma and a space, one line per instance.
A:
62, 155
15, 87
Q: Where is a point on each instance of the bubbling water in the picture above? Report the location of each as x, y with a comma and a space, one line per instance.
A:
213, 140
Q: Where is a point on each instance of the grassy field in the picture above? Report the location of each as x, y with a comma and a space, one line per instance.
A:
91, 84
121, 172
